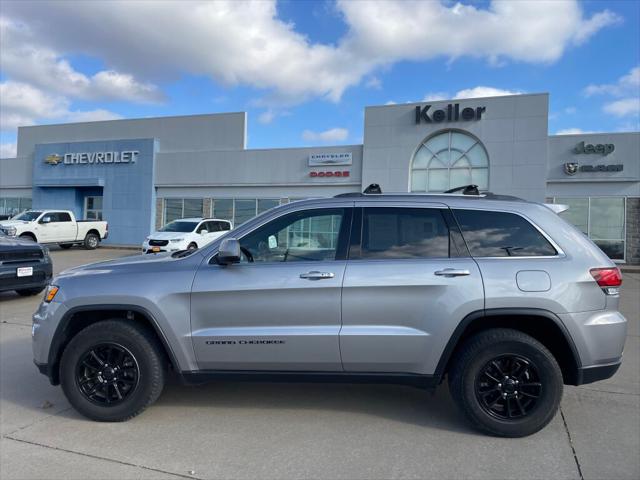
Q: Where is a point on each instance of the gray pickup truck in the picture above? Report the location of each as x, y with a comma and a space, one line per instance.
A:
498, 295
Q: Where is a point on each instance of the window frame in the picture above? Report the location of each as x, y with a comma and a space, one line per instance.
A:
342, 248
355, 244
559, 251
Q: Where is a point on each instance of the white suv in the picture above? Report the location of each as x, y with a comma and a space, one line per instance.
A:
185, 234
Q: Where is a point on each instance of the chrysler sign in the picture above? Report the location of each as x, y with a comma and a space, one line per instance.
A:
91, 158
328, 159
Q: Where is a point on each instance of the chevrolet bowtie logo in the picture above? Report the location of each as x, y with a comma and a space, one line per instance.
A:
53, 159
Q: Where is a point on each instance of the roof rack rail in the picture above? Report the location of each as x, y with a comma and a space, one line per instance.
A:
373, 189
466, 190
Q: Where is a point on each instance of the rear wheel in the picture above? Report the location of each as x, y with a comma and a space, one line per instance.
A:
91, 241
65, 246
27, 292
506, 383
111, 371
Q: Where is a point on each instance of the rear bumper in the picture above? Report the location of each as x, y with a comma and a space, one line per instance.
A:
597, 373
10, 281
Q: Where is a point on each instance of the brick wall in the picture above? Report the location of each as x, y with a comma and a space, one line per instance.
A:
159, 212
633, 231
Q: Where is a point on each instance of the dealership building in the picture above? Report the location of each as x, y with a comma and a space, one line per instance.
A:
139, 174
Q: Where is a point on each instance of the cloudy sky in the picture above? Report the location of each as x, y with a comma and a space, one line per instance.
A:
304, 70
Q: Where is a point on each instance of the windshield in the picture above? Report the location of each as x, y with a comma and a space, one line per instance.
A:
27, 216
179, 226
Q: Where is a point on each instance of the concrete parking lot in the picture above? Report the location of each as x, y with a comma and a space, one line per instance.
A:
243, 430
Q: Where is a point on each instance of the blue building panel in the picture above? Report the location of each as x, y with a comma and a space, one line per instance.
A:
121, 171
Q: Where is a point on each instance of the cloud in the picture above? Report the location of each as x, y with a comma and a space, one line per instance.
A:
573, 131
245, 43
482, 91
625, 85
8, 150
24, 104
435, 96
25, 60
266, 117
327, 136
474, 92
374, 83
623, 107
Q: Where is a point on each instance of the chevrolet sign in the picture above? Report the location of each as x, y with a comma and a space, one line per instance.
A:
89, 158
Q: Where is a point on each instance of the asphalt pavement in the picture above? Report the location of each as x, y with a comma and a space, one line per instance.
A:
266, 431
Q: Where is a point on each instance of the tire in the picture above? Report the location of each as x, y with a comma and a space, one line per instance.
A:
473, 382
28, 237
142, 354
91, 241
192, 246
66, 246
28, 292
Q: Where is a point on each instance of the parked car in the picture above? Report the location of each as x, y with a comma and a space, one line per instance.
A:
56, 226
499, 295
25, 266
185, 234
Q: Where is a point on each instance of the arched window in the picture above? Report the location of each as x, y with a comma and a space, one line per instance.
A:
447, 160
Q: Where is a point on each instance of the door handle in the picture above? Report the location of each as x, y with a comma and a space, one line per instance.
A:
452, 272
316, 275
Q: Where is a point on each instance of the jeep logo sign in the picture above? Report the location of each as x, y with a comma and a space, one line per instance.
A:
451, 114
602, 149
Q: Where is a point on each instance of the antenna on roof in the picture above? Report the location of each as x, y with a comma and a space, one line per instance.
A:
373, 189
466, 190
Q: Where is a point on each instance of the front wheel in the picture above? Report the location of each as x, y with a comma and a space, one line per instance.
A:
506, 383
91, 241
111, 371
192, 246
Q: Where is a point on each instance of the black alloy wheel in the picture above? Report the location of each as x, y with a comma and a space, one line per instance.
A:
508, 387
107, 374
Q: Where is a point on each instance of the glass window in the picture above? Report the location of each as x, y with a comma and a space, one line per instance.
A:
578, 212
172, 209
192, 208
447, 160
404, 233
60, 217
601, 218
311, 235
223, 208
245, 209
500, 234
607, 218
179, 226
265, 204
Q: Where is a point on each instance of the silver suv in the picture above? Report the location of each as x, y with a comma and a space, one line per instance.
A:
499, 295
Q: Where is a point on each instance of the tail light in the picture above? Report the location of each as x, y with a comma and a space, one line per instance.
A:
609, 279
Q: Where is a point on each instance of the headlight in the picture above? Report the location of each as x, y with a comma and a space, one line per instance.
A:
11, 231
51, 293
177, 240
45, 252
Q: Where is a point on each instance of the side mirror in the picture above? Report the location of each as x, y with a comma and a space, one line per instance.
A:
229, 251
204, 232
45, 220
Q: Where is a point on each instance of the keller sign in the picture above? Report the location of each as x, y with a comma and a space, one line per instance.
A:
452, 113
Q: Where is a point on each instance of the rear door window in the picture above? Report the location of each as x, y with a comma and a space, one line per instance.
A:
501, 234
397, 233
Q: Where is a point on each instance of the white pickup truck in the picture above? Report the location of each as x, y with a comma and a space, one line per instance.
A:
56, 226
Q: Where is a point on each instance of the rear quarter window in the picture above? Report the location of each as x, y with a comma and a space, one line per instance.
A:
501, 234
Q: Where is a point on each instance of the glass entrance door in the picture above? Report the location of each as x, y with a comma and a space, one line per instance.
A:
93, 208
